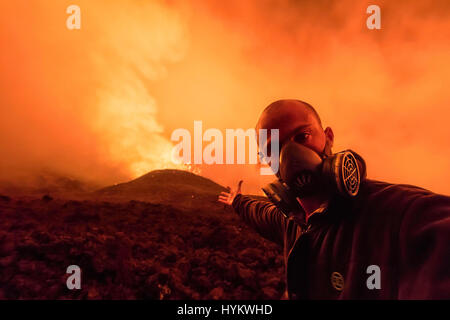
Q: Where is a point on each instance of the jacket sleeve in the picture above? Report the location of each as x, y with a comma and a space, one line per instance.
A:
263, 216
425, 249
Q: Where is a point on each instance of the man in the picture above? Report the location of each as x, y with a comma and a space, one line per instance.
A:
387, 242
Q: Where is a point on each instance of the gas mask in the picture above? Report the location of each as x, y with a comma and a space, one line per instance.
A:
303, 172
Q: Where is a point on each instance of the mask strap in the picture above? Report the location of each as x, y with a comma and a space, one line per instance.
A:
326, 150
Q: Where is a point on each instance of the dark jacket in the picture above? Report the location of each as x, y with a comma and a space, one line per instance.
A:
402, 229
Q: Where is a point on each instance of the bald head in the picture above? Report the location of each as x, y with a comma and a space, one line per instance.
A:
295, 120
286, 106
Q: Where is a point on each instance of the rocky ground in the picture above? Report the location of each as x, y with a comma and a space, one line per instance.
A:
132, 250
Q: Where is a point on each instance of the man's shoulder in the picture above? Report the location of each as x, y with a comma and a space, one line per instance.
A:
398, 196
380, 188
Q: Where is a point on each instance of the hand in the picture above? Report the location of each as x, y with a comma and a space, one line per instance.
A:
228, 197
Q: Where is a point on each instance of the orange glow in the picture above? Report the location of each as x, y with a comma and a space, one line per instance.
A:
100, 103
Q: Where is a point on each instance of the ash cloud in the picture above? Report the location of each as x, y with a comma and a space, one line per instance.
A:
101, 104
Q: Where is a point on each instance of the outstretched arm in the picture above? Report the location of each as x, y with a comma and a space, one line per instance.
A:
263, 216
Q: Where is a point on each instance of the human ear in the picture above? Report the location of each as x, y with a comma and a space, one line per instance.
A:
329, 135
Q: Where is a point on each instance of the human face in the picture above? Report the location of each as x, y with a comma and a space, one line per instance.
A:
295, 123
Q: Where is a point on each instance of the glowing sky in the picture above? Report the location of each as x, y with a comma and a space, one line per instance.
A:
100, 103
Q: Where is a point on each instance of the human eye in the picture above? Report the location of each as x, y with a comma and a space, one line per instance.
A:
302, 137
